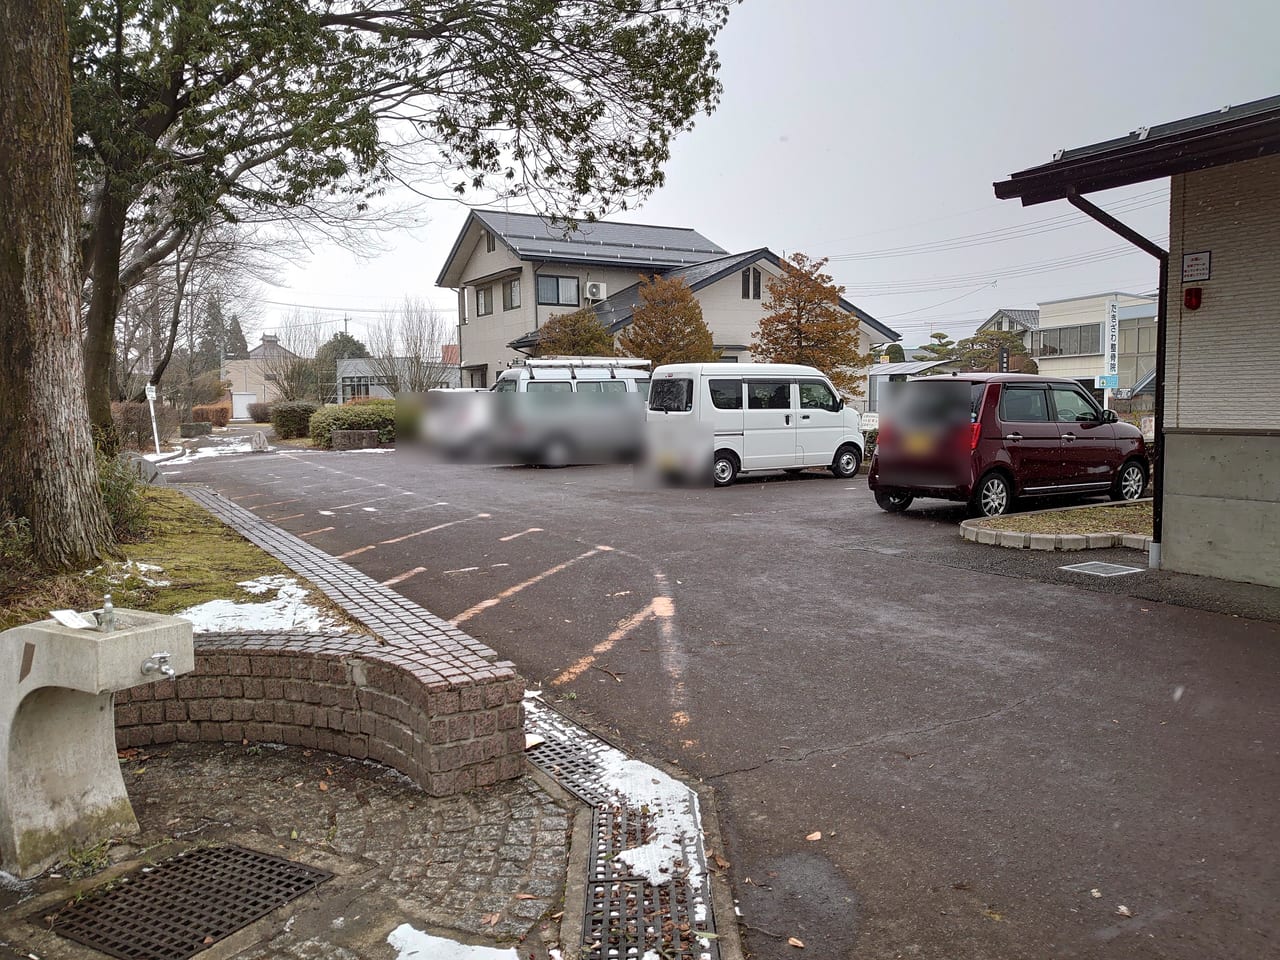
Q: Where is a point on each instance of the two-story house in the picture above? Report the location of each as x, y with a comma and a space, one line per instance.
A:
512, 271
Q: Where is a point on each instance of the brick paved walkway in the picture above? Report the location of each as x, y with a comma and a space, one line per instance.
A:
432, 643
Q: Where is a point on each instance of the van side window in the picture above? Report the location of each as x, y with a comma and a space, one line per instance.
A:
548, 386
1024, 404
505, 386
769, 395
816, 395
726, 394
671, 396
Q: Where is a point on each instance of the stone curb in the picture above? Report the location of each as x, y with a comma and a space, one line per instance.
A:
972, 530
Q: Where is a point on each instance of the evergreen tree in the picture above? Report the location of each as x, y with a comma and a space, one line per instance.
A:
939, 347
237, 346
667, 326
981, 352
894, 352
577, 334
805, 323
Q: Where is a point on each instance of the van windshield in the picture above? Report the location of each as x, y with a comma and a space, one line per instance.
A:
671, 396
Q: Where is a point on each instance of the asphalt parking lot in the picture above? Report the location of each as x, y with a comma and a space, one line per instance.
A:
981, 738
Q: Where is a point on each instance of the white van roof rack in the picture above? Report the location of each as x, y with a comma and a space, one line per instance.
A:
630, 362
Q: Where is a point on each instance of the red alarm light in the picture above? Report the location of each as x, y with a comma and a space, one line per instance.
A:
1191, 297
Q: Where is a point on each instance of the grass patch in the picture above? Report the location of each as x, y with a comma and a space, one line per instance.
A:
305, 443
1130, 518
201, 558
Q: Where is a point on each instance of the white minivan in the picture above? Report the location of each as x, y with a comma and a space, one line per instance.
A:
761, 416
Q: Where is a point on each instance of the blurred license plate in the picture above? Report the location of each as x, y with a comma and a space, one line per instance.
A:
918, 443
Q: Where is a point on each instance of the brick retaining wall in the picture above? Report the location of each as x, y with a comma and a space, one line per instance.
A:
348, 695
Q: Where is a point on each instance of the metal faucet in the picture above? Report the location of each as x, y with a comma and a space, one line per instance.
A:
107, 619
158, 663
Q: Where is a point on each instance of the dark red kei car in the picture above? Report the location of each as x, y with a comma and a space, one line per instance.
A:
989, 438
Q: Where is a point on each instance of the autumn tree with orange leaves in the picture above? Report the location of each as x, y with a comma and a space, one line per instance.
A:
804, 323
667, 326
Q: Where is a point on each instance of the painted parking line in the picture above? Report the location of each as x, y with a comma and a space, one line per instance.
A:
357, 503
275, 503
510, 592
249, 496
404, 576
520, 534
623, 628
462, 570
408, 536
292, 516
312, 533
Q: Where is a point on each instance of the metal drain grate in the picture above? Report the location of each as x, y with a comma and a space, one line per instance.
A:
183, 905
1099, 568
626, 918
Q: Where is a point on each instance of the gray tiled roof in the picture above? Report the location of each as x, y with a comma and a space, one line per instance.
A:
1028, 318
532, 237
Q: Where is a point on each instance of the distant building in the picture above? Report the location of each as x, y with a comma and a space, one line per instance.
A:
513, 271
368, 377
251, 378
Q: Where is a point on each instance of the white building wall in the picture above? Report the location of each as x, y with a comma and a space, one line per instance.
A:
1074, 312
1222, 377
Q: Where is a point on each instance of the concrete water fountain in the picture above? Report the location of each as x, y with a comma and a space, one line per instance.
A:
60, 781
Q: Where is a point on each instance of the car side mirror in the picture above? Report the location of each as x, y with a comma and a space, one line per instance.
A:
839, 404
1109, 416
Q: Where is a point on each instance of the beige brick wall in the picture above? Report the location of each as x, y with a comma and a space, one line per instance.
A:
1224, 359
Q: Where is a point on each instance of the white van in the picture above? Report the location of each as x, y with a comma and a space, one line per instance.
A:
762, 416
576, 375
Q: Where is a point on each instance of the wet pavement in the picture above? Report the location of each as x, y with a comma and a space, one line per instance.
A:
485, 868
980, 738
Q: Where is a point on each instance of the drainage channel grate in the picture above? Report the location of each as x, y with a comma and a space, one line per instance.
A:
1099, 568
183, 905
627, 917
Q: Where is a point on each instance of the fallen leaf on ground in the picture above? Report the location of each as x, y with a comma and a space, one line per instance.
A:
720, 861
490, 919
1124, 911
525, 896
816, 835
795, 942
323, 786
532, 740
207, 940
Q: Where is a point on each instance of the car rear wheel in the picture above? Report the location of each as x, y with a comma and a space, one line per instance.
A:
993, 496
846, 462
893, 501
1131, 481
724, 468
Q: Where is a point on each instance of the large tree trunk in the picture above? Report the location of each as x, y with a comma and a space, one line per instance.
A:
104, 304
48, 473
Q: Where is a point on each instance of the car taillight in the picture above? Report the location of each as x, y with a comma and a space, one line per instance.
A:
975, 434
885, 435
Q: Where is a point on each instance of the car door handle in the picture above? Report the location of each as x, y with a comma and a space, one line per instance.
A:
788, 419
804, 416
1069, 437
1015, 437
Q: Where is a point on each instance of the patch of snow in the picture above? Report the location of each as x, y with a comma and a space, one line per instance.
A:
221, 446
414, 943
674, 819
9, 882
140, 571
289, 610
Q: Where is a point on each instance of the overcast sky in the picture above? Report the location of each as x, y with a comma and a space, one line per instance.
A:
870, 131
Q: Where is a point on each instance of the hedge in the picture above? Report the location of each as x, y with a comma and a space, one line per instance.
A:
260, 412
377, 415
290, 418
216, 413
133, 424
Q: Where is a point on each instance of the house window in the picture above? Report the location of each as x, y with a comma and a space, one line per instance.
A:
1078, 341
484, 301
558, 291
755, 284
751, 284
511, 295
489, 243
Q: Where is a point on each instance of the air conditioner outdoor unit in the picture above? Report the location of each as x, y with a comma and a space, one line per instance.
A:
597, 291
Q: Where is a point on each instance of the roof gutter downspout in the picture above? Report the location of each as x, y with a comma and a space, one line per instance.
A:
1162, 311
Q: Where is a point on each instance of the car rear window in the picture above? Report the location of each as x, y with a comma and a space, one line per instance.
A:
671, 396
726, 394
934, 400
